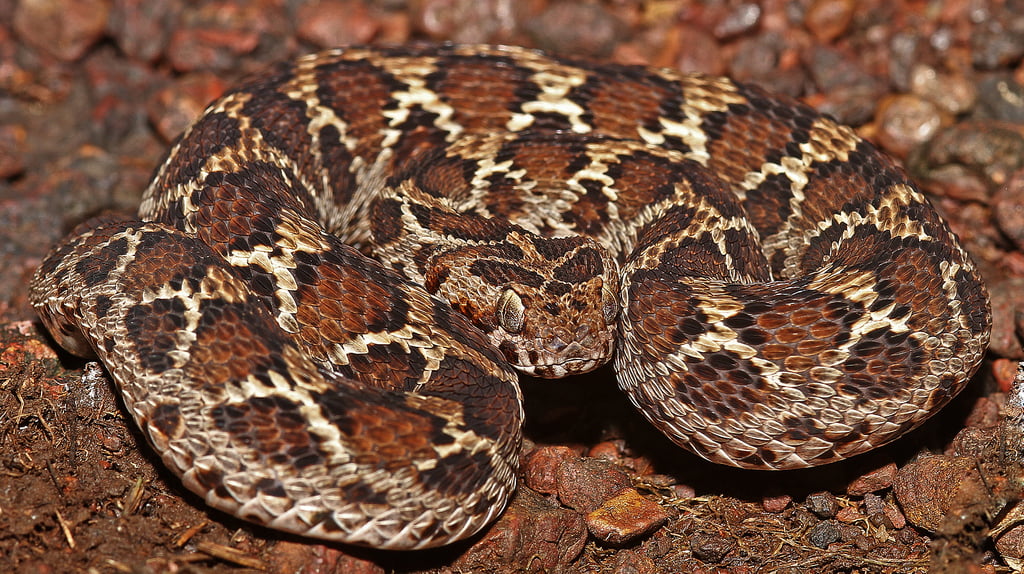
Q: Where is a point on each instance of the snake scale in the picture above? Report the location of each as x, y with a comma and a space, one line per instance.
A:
773, 291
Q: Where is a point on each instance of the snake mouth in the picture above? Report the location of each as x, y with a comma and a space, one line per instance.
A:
565, 368
541, 358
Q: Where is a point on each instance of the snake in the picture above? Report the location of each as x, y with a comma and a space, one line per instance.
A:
338, 274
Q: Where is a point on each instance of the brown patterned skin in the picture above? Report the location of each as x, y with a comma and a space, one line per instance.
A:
775, 292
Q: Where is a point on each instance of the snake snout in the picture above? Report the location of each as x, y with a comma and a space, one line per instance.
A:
558, 351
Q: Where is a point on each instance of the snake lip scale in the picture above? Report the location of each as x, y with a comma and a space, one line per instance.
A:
318, 316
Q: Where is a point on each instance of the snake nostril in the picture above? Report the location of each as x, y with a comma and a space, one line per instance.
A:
556, 343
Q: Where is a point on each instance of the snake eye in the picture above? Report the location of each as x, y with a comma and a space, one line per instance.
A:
609, 305
511, 311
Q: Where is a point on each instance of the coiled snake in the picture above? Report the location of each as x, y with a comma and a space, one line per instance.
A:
775, 293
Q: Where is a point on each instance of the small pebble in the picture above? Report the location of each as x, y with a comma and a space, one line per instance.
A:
711, 548
64, 30
972, 442
683, 491
896, 518
993, 46
775, 504
192, 49
740, 19
986, 412
986, 149
823, 504
953, 94
905, 121
829, 19
1003, 371
138, 27
583, 484
472, 20
865, 542
174, 108
878, 479
928, 488
584, 28
331, 23
629, 561
1007, 297
13, 139
849, 514
696, 50
542, 465
874, 507
824, 533
1000, 97
625, 517
1010, 545
586, 484
532, 530
1008, 207
848, 92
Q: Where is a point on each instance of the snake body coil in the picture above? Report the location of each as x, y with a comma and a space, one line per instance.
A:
775, 293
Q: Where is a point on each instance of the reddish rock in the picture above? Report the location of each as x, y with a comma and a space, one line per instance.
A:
531, 531
683, 491
215, 35
1007, 298
878, 479
1010, 545
828, 19
140, 27
625, 518
972, 442
64, 30
582, 28
985, 412
542, 465
849, 515
1008, 207
586, 484
206, 49
580, 483
474, 20
988, 150
336, 23
775, 504
893, 514
695, 50
929, 488
735, 19
291, 556
632, 562
607, 450
616, 451
1003, 371
175, 107
12, 149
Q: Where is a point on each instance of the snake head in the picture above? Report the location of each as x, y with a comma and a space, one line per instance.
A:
548, 304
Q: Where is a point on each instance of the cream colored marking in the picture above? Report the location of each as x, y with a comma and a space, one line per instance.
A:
412, 73
555, 87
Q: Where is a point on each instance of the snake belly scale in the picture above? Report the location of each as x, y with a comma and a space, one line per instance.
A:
773, 291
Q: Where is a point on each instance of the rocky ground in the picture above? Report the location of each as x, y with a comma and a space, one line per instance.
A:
92, 91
